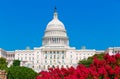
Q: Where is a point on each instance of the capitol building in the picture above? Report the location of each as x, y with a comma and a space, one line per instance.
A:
54, 52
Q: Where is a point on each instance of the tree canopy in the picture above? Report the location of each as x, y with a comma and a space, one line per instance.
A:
17, 72
3, 64
16, 63
90, 59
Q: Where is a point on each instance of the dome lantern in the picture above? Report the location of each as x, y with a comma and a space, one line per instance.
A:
55, 13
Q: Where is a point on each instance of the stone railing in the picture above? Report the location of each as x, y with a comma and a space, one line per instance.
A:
3, 74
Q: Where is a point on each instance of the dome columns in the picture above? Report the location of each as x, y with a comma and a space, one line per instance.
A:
55, 40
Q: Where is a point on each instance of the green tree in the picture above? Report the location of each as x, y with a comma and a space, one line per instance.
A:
17, 72
99, 56
90, 59
16, 63
3, 64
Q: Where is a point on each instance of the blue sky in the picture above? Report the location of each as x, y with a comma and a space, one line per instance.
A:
91, 23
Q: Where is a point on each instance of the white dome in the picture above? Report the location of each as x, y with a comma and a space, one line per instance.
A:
55, 33
55, 24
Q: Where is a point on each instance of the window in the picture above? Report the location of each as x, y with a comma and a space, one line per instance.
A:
62, 52
45, 61
50, 62
37, 56
67, 66
45, 56
63, 57
39, 67
118, 51
50, 56
57, 57
25, 58
48, 66
44, 66
45, 52
29, 58
54, 56
37, 62
76, 58
21, 58
63, 62
53, 66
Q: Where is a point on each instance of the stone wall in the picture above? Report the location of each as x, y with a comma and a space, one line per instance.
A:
3, 74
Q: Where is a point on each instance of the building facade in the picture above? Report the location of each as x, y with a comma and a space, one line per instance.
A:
54, 52
113, 50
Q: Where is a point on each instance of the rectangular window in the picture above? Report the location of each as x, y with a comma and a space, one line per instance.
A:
76, 58
58, 57
45, 52
45, 56
62, 52
50, 62
21, 58
50, 56
37, 56
71, 61
54, 56
45, 61
25, 58
57, 52
29, 58
63, 62
63, 57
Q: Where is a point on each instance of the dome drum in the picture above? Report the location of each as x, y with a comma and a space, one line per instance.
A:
55, 41
55, 33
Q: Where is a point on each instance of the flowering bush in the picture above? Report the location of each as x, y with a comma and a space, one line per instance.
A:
108, 68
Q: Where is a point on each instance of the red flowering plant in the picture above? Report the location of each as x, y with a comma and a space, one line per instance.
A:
108, 68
